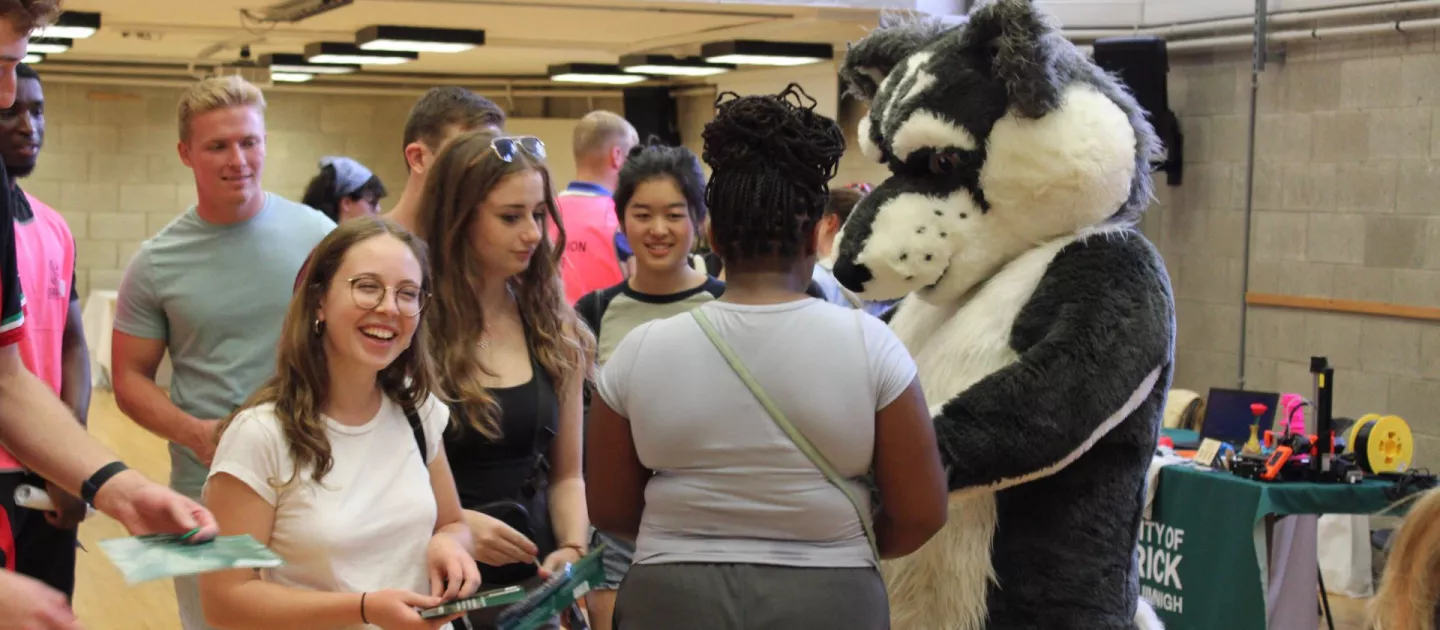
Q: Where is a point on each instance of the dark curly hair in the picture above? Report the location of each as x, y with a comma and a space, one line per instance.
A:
653, 160
771, 161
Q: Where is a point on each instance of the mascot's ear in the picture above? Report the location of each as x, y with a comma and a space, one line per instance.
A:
870, 60
1018, 39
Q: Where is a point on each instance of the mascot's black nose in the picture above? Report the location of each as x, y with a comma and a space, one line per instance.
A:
851, 275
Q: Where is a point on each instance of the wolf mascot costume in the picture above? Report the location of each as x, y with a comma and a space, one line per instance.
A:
1041, 320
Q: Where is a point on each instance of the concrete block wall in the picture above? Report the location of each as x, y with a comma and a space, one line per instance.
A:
1346, 206
109, 163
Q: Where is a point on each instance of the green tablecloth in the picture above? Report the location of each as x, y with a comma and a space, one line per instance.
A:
1203, 558
1181, 435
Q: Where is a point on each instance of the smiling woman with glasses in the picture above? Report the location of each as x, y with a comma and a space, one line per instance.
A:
338, 462
511, 353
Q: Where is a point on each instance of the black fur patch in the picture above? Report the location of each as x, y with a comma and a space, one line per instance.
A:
897, 36
1101, 319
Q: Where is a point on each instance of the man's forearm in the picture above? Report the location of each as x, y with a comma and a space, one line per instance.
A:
75, 380
36, 427
148, 405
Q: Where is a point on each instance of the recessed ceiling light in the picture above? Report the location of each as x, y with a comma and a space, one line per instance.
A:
593, 73
762, 53
290, 77
419, 39
335, 52
32, 58
675, 66
282, 62
50, 45
72, 25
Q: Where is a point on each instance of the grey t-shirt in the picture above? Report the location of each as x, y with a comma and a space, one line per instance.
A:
217, 295
730, 486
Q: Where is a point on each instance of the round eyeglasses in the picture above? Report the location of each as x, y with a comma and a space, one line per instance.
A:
368, 293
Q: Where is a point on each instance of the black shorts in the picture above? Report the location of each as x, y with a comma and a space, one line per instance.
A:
40, 550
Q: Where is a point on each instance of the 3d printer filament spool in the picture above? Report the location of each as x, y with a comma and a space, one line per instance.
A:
1382, 444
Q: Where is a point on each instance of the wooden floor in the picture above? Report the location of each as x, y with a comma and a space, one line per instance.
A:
102, 598
105, 602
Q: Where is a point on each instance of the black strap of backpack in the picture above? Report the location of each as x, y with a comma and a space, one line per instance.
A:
419, 430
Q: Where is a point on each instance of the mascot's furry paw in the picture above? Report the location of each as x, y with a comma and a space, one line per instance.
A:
1145, 617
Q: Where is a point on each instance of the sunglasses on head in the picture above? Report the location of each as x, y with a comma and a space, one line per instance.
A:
506, 146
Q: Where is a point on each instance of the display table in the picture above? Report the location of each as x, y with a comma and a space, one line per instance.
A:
1203, 554
99, 319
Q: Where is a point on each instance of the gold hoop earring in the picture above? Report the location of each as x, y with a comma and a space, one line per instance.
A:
318, 327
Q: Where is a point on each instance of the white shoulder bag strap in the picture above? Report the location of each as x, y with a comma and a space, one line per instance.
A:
784, 423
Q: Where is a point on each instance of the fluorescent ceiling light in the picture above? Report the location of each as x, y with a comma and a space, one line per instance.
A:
72, 25
50, 45
668, 65
32, 58
419, 39
612, 79
290, 77
763, 53
281, 62
335, 52
593, 73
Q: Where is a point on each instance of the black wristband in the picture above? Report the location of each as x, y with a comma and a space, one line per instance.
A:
91, 486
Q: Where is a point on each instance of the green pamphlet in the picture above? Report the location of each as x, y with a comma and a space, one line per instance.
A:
498, 597
558, 593
159, 556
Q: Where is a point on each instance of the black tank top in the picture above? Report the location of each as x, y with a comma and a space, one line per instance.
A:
514, 467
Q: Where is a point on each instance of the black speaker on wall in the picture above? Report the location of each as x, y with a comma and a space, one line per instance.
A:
1142, 65
653, 112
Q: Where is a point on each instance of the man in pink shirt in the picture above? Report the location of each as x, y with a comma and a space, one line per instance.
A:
595, 248
54, 345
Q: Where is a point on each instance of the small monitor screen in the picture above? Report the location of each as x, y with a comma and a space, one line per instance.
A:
1228, 416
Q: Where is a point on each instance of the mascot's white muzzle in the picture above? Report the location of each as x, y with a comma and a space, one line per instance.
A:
906, 242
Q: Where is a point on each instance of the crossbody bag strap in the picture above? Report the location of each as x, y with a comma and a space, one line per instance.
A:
419, 430
790, 430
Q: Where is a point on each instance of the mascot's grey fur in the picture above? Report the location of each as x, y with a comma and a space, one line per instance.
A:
1041, 320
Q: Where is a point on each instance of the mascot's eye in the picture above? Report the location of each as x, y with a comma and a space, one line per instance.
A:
944, 163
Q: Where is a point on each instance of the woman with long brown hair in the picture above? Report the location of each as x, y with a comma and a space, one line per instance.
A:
337, 463
512, 356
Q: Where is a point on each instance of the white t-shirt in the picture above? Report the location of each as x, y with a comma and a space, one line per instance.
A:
730, 486
367, 525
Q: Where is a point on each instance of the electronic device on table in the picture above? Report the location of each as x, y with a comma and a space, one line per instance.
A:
1379, 446
1229, 414
1300, 457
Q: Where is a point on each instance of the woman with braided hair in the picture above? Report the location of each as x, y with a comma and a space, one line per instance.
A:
748, 514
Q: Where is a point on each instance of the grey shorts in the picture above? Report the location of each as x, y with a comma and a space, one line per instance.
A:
749, 597
616, 558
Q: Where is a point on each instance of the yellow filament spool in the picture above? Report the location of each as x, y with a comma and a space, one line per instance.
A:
1382, 444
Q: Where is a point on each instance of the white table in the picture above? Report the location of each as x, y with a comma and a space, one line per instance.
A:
99, 318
